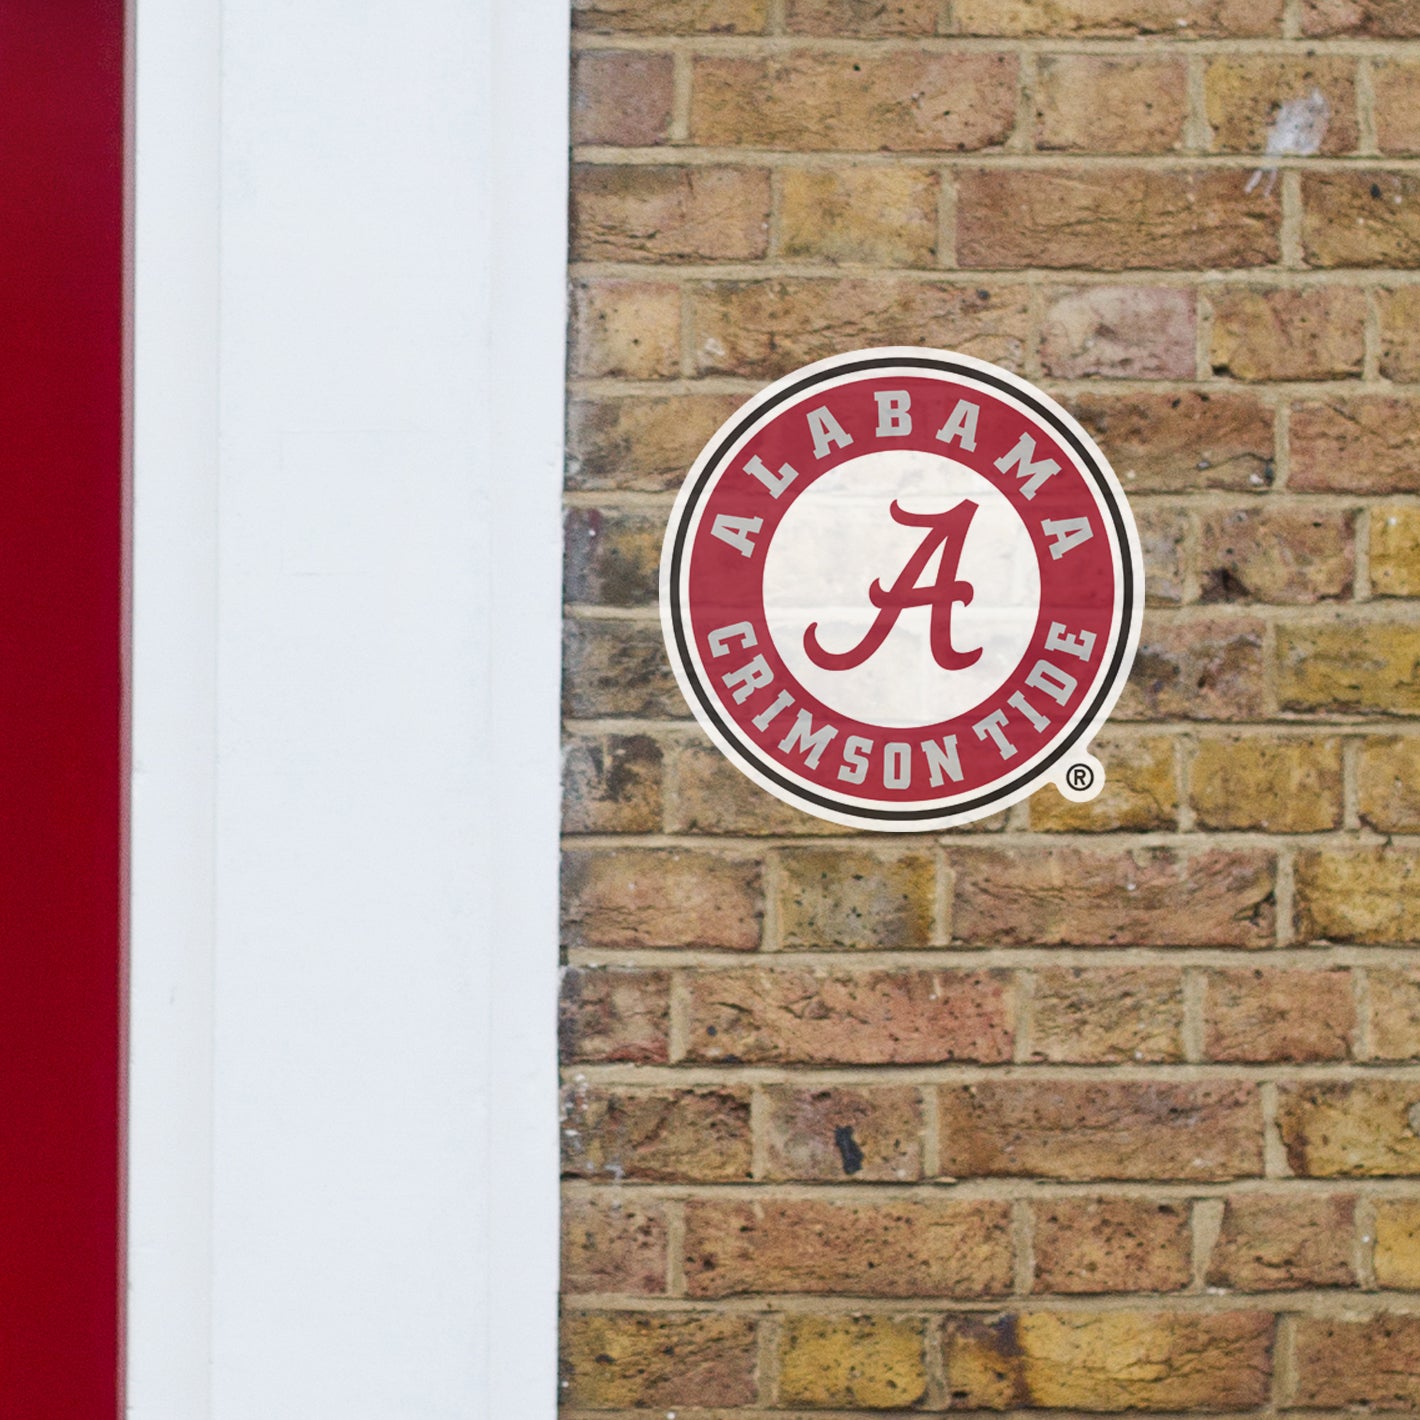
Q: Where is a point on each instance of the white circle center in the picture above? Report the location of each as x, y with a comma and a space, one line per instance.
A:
839, 537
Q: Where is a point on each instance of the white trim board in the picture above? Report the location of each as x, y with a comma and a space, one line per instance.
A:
348, 374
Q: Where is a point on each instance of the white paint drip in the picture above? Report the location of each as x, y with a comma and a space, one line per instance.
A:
1297, 131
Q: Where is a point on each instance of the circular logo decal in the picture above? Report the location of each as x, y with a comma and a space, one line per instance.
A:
901, 589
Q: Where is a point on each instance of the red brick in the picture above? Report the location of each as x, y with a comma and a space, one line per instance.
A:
670, 16
1243, 94
1062, 19
906, 101
894, 1249
1277, 1242
613, 1245
1349, 666
1055, 895
671, 897
620, 1132
621, 98
1294, 1016
1111, 1129
1086, 103
1120, 332
806, 1017
1190, 669
1363, 445
1286, 333
1279, 555
1356, 217
841, 1133
667, 214
614, 1013
1371, 1362
624, 1360
642, 445
1111, 1245
1114, 219
829, 897
611, 784
1384, 19
1184, 442
1104, 1015
1369, 895
617, 668
611, 558
1351, 1128
1285, 784
626, 328
763, 329
869, 18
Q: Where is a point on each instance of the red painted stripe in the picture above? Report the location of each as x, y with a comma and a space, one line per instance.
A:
62, 695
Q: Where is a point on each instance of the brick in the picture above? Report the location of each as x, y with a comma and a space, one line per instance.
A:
613, 1245
641, 445
1243, 95
1356, 217
1062, 19
1355, 446
1350, 1128
1139, 791
1111, 1129
614, 1013
1352, 666
903, 102
1350, 1361
1363, 895
1396, 84
1278, 555
850, 898
620, 1360
653, 1135
1196, 670
672, 897
869, 18
1389, 782
857, 1362
1057, 896
1285, 333
1397, 1252
764, 329
611, 784
1395, 1013
1164, 534
1184, 442
611, 558
1091, 1245
617, 668
1119, 332
877, 216
1395, 552
709, 795
1109, 1361
1086, 103
1281, 785
1114, 219
807, 1017
626, 328
668, 214
1399, 308
895, 1249
1106, 1015
833, 1134
1277, 1242
670, 16
1383, 19
1293, 1016
622, 98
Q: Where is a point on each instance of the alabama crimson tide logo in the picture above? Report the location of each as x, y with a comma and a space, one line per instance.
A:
901, 589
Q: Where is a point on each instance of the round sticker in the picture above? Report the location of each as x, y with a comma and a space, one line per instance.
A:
901, 589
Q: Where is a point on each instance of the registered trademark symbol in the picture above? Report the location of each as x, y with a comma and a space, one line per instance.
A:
1080, 777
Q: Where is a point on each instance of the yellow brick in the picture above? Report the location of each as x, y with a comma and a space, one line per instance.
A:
1397, 89
1400, 332
1350, 1128
1398, 1244
1089, 104
1339, 665
629, 328
878, 216
1242, 94
1395, 551
1283, 785
1390, 782
1139, 791
866, 1363
1395, 1013
1367, 895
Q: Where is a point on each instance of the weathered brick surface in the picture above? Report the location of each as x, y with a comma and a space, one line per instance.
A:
1140, 791
844, 898
1388, 774
1164, 534
1362, 895
1129, 332
1072, 1129
894, 1249
1361, 218
670, 16
883, 216
1277, 1242
1395, 551
1371, 1362
1351, 1128
1396, 84
614, 1013
852, 1362
839, 1133
1276, 555
1071, 18
869, 18
1294, 1015
611, 784
1243, 94
1196, 670
1087, 103
1395, 1013
640, 444
801, 1016
904, 102
1397, 1249
1362, 445
1054, 895
1111, 1245
1099, 1015
611, 559
709, 795
621, 98
1399, 309
1284, 785
1114, 219
628, 328
1341, 665
613, 1244
1109, 1361
1288, 333
1387, 19
616, 668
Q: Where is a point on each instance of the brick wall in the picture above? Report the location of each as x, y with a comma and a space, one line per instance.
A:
1095, 1108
